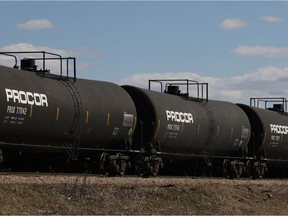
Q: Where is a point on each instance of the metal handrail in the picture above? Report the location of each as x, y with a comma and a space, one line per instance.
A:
201, 91
44, 58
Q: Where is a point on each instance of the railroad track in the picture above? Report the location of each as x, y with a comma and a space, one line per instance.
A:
96, 179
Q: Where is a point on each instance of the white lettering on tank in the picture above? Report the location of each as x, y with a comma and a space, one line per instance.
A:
279, 129
23, 97
179, 117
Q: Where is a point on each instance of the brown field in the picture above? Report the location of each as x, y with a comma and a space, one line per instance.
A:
82, 195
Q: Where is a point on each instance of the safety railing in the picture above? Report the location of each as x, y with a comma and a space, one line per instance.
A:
43, 57
188, 89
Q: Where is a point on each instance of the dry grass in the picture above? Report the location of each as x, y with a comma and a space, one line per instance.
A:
84, 195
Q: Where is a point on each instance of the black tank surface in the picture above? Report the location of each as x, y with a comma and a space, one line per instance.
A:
180, 126
231, 128
36, 110
109, 114
269, 133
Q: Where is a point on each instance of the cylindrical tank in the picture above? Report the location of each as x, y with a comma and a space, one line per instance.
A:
109, 114
49, 112
181, 126
269, 137
231, 128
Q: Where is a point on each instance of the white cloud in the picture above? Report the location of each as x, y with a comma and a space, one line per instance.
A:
34, 25
21, 47
233, 23
263, 82
261, 51
271, 19
84, 51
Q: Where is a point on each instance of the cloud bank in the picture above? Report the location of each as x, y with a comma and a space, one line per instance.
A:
34, 25
21, 47
261, 51
233, 23
272, 19
263, 82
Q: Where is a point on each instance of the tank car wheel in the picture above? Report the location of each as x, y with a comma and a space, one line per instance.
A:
122, 162
105, 163
260, 170
157, 164
122, 167
1, 157
156, 168
138, 165
237, 169
148, 166
153, 165
227, 168
249, 169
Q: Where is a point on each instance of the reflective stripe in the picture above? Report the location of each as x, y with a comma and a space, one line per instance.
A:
108, 119
87, 117
157, 129
31, 111
57, 113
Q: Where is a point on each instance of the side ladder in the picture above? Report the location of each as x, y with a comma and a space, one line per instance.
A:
208, 155
74, 133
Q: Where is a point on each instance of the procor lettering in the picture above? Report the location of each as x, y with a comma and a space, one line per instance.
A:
179, 117
279, 129
23, 97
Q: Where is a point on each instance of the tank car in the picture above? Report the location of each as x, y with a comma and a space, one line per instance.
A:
175, 125
269, 134
44, 112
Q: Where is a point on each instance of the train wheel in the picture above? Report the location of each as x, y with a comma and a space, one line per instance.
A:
1, 157
156, 169
260, 169
149, 166
152, 166
233, 169
139, 166
105, 163
227, 168
157, 164
122, 167
113, 165
237, 169
122, 163
249, 169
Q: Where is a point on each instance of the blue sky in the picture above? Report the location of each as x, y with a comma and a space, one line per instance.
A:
239, 48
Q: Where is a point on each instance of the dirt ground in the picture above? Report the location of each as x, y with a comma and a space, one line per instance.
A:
83, 195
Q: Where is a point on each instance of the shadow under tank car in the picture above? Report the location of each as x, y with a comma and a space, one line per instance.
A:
175, 127
47, 114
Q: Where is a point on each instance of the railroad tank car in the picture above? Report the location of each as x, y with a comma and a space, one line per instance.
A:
182, 127
43, 113
269, 137
54, 113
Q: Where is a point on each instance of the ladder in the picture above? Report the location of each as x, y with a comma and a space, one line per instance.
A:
208, 155
74, 133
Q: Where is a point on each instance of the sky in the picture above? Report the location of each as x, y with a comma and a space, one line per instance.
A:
239, 48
